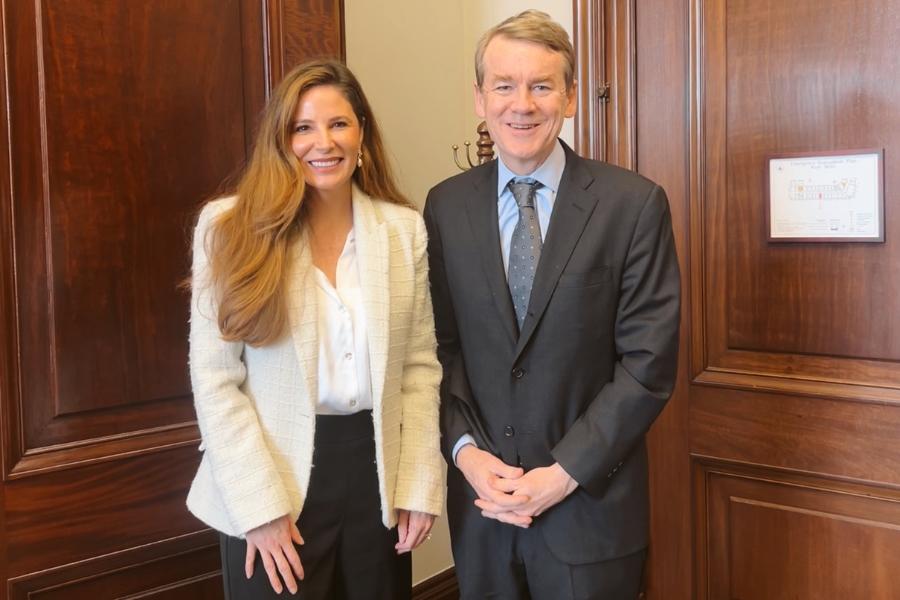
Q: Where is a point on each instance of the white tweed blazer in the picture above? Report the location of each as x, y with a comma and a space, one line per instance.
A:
256, 406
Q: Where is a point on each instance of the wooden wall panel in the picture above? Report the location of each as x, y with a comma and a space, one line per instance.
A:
111, 506
181, 568
113, 186
828, 314
808, 298
781, 538
789, 389
303, 29
115, 138
605, 118
118, 120
795, 363
844, 440
661, 98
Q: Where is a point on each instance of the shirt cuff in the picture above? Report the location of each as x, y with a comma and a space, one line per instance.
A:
464, 440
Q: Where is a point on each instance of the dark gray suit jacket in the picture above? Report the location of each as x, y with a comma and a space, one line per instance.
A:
594, 363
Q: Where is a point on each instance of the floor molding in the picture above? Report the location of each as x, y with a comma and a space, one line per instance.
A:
442, 586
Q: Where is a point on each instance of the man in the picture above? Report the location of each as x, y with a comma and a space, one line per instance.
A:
556, 294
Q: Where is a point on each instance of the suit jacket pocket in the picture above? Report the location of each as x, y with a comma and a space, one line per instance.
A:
597, 276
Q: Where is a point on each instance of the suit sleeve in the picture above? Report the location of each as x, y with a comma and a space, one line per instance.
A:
242, 467
453, 419
646, 338
420, 481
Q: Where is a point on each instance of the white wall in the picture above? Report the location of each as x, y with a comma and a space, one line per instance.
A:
415, 61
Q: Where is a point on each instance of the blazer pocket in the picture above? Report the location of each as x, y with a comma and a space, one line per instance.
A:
598, 276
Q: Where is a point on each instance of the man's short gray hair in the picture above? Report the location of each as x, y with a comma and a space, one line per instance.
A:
530, 26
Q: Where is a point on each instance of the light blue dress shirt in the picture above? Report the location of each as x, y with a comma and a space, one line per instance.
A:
549, 174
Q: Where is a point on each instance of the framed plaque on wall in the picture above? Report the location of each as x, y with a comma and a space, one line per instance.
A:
835, 196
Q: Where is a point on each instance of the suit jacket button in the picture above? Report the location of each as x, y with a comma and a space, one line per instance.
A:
518, 373
508, 431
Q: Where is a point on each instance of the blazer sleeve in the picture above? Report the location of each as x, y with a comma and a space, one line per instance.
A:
454, 420
420, 481
646, 338
242, 467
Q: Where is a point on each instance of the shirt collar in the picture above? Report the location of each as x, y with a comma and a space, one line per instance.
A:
549, 174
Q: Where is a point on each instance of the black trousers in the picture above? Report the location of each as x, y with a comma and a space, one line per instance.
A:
348, 554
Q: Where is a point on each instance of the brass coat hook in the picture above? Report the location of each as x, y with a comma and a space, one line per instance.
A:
485, 151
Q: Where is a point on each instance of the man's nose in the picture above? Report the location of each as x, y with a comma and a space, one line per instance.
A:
523, 100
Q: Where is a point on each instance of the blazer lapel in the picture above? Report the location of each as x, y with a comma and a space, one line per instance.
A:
374, 279
571, 212
481, 208
303, 317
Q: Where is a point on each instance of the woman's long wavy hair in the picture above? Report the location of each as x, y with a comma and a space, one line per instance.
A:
248, 246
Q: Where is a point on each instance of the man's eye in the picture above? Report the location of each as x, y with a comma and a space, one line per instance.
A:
503, 88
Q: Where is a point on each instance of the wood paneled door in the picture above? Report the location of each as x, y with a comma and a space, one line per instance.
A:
776, 466
118, 119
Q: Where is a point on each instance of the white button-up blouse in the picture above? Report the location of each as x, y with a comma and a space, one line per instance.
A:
344, 375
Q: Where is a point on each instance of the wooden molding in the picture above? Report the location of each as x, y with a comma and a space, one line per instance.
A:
605, 119
742, 509
442, 586
589, 40
188, 564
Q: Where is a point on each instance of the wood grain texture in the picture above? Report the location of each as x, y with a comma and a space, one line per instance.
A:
588, 35
812, 298
821, 313
846, 440
780, 537
301, 30
103, 201
794, 380
184, 567
74, 514
118, 120
777, 397
620, 74
661, 146
117, 139
605, 128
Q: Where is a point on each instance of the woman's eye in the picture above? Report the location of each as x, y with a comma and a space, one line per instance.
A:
301, 128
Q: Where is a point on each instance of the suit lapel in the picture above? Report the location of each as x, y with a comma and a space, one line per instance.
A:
374, 279
303, 317
481, 208
572, 209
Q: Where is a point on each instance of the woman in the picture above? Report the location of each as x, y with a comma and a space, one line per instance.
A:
313, 357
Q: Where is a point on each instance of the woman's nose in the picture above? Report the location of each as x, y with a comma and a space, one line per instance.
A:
323, 139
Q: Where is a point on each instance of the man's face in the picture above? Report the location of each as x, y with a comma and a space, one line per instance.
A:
523, 100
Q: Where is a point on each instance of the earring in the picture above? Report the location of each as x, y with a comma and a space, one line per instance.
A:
359, 158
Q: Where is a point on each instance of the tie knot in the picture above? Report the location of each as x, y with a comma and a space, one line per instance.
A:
523, 191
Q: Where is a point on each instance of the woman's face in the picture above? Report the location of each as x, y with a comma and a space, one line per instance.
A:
326, 139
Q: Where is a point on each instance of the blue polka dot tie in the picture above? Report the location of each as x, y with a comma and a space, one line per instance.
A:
525, 247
